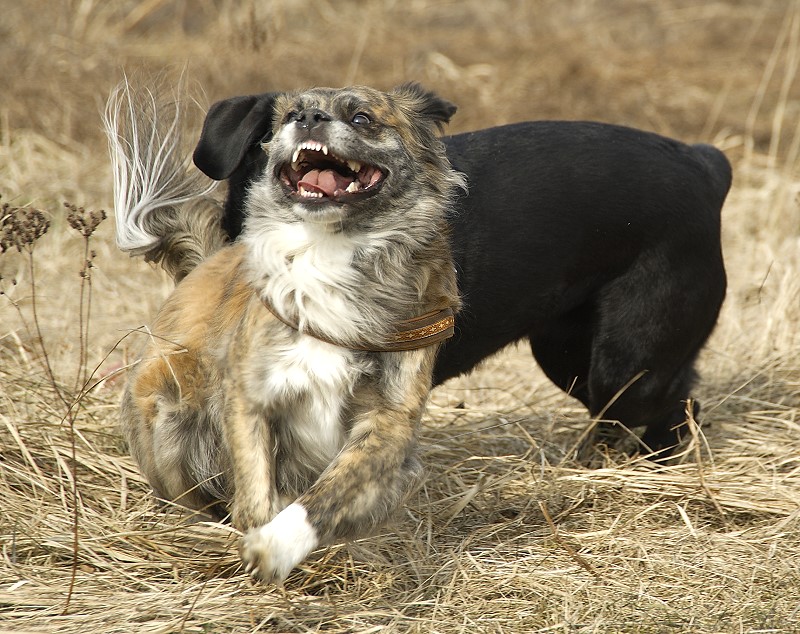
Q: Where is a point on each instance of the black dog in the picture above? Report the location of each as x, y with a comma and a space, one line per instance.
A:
598, 243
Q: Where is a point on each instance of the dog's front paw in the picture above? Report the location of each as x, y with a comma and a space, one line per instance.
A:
269, 552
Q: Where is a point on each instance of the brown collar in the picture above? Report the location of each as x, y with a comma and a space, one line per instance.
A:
410, 334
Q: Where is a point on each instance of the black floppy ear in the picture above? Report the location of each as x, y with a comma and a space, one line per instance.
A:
231, 128
427, 103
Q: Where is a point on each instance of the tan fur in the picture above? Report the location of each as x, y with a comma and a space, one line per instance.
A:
176, 372
231, 410
191, 232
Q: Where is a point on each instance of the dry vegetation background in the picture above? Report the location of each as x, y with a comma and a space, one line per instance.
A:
506, 533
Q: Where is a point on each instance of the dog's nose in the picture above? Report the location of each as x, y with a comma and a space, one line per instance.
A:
311, 117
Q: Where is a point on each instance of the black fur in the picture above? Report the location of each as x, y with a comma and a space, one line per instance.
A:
230, 148
598, 243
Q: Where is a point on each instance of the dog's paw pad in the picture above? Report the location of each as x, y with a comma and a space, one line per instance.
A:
270, 552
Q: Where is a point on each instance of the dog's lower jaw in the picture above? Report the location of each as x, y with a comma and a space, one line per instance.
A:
269, 552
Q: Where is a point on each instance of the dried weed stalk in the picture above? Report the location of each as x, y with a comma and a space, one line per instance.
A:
21, 228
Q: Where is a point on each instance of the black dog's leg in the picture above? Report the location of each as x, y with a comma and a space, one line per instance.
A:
666, 432
652, 401
564, 352
651, 323
655, 399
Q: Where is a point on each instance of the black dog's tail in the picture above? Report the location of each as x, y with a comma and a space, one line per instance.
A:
161, 201
719, 168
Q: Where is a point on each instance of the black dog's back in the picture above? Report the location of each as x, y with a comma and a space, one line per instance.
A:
562, 208
598, 243
719, 169
601, 245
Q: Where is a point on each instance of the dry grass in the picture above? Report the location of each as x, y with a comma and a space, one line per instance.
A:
506, 533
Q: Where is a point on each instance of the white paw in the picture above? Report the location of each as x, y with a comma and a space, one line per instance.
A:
270, 552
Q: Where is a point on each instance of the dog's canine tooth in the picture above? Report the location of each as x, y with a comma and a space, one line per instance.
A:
352, 188
354, 165
325, 150
296, 155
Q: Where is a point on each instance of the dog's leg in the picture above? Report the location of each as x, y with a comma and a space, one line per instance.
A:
168, 417
667, 431
363, 484
646, 341
249, 440
564, 351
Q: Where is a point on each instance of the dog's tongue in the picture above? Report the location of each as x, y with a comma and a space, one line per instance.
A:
327, 182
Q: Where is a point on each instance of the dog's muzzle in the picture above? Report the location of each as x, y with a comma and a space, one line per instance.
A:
315, 173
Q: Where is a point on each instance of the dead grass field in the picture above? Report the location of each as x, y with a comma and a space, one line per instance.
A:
506, 533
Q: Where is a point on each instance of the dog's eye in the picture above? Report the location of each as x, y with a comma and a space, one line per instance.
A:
291, 116
361, 118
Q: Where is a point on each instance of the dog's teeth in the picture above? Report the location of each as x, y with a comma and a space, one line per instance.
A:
295, 156
325, 150
309, 194
354, 166
352, 188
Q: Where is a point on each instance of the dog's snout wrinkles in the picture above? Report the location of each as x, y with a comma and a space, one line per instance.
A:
311, 117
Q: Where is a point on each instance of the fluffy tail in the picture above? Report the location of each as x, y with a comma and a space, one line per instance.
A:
161, 201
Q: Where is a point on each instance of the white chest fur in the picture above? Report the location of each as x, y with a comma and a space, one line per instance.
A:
307, 385
306, 273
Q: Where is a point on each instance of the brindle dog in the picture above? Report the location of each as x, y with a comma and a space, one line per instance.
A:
286, 375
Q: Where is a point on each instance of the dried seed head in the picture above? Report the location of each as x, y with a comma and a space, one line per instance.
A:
82, 221
21, 227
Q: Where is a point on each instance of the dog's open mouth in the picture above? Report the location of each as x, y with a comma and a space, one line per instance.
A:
317, 174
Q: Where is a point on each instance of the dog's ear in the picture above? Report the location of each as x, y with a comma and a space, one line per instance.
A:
427, 104
231, 128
